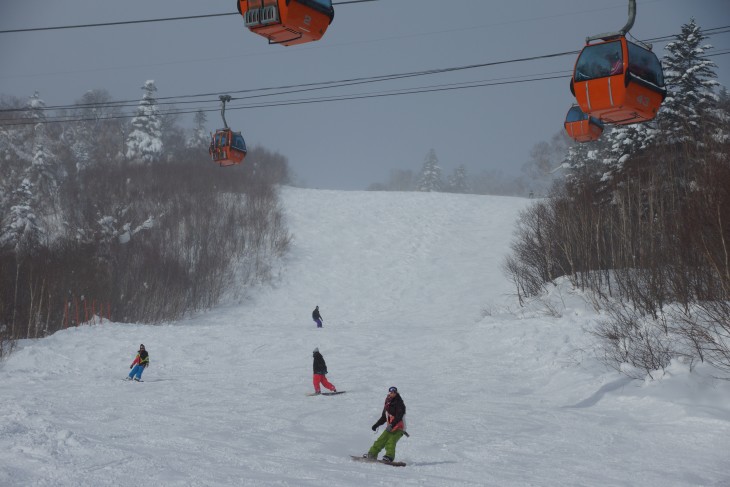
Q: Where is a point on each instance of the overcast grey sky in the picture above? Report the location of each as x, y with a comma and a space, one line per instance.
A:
344, 144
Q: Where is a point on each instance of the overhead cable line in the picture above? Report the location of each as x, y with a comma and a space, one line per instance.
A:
144, 21
298, 88
109, 24
494, 81
357, 96
410, 91
405, 91
369, 79
188, 17
707, 32
327, 84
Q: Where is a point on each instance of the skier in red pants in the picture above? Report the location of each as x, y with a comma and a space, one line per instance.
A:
320, 372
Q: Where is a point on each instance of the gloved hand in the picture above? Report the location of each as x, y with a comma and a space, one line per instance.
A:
389, 427
375, 427
131, 366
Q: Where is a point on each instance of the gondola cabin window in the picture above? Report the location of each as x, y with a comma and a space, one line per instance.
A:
598, 61
238, 143
645, 65
575, 114
324, 5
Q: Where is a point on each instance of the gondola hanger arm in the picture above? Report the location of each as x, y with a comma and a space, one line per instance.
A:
224, 99
626, 28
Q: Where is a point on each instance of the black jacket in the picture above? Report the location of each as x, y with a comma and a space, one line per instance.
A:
319, 366
316, 315
393, 413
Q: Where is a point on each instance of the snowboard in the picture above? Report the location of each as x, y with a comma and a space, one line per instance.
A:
326, 393
368, 460
131, 380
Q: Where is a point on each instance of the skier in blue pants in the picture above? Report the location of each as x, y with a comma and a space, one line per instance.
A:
141, 361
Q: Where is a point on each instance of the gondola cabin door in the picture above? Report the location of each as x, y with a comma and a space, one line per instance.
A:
287, 22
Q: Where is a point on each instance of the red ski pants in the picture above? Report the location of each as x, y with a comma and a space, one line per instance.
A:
321, 379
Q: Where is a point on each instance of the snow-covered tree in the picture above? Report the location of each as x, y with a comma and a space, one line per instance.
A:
430, 177
144, 143
95, 138
688, 111
103, 126
458, 180
724, 115
15, 153
588, 161
81, 147
20, 230
724, 101
623, 141
539, 172
43, 171
199, 137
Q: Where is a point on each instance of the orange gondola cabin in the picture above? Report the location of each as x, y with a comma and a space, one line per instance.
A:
287, 22
618, 82
581, 127
227, 148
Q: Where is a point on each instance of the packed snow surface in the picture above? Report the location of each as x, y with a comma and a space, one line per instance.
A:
412, 294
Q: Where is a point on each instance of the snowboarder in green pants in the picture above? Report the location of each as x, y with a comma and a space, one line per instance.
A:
393, 417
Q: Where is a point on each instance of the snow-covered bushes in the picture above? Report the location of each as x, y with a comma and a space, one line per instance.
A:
154, 241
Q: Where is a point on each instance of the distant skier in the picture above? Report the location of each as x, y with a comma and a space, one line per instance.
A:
393, 416
317, 317
141, 361
320, 371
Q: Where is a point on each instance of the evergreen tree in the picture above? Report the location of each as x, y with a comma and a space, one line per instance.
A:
687, 112
624, 141
724, 101
101, 131
538, 173
589, 161
199, 138
20, 229
144, 143
44, 172
458, 180
15, 150
430, 177
724, 115
79, 141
